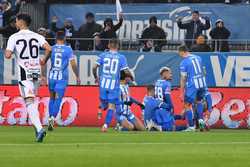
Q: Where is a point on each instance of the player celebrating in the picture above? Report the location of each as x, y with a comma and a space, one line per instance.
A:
110, 63
26, 46
125, 117
193, 86
58, 76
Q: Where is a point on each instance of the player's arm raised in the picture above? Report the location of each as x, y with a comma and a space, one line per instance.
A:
75, 70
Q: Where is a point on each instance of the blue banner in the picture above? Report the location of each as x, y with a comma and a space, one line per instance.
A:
136, 17
222, 69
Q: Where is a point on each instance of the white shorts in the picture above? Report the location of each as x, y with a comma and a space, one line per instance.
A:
28, 88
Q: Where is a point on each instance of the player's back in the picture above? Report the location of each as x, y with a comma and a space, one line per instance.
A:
162, 87
60, 57
26, 46
192, 66
151, 104
111, 64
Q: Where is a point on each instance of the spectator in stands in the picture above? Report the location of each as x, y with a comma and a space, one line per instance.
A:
8, 11
87, 30
8, 30
201, 45
47, 34
98, 42
109, 30
68, 29
220, 35
194, 27
151, 36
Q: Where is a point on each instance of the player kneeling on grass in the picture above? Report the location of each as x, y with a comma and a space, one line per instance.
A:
110, 63
61, 56
193, 87
126, 119
26, 45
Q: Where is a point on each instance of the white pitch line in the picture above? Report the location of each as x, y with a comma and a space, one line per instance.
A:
77, 144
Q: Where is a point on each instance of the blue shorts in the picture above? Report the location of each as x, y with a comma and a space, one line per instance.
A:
57, 86
107, 96
192, 95
165, 119
121, 117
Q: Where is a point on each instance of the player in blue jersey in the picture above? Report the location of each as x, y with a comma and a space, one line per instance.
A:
125, 118
110, 64
193, 86
60, 57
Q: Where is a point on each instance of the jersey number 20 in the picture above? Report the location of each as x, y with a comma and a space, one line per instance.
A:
110, 66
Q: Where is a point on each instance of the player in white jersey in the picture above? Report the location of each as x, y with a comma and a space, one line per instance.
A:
26, 45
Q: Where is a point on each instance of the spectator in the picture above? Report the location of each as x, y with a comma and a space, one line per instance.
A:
194, 27
220, 35
8, 11
201, 45
68, 29
47, 34
109, 30
87, 30
151, 34
8, 30
98, 42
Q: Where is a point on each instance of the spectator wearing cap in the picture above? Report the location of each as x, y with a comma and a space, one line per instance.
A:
47, 34
9, 29
87, 30
9, 11
220, 35
109, 30
201, 45
153, 36
68, 28
193, 28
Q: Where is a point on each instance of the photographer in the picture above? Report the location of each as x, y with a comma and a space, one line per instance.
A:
194, 27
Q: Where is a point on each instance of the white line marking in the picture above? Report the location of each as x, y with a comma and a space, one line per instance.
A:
145, 13
132, 143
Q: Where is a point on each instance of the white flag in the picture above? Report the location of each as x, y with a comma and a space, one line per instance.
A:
118, 8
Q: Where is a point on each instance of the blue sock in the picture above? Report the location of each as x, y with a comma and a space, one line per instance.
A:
209, 102
51, 107
199, 110
190, 117
57, 105
109, 117
180, 128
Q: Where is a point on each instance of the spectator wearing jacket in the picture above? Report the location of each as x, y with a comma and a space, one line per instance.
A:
68, 28
9, 11
151, 34
201, 45
109, 30
193, 28
87, 30
220, 35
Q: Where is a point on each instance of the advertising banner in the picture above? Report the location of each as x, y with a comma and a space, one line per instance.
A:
231, 106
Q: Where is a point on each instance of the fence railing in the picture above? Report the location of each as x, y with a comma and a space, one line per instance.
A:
150, 45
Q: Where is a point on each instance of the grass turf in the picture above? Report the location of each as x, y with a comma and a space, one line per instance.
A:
89, 147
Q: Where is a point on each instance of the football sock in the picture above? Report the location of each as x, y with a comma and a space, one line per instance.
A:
199, 110
51, 107
190, 117
57, 105
109, 117
32, 109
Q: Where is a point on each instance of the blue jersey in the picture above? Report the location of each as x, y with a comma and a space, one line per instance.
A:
151, 104
111, 63
191, 67
163, 91
60, 57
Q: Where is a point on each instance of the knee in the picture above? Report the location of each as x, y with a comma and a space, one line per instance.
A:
187, 106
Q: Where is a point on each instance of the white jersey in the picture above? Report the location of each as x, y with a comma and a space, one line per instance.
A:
26, 46
125, 97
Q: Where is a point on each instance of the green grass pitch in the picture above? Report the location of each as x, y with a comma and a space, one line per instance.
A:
87, 147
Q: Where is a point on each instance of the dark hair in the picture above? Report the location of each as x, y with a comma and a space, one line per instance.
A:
150, 88
89, 14
204, 36
108, 21
153, 19
183, 48
60, 35
196, 12
122, 75
25, 17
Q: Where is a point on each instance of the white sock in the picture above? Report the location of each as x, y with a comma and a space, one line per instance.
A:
32, 109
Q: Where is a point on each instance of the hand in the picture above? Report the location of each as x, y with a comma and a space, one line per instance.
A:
142, 106
97, 80
54, 19
78, 81
43, 81
121, 16
179, 19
